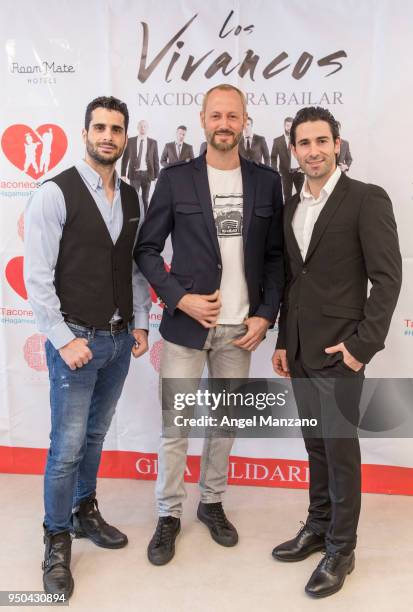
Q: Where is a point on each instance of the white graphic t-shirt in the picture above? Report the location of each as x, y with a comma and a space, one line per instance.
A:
227, 204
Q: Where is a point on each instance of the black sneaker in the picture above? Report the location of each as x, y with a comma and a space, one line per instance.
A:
161, 548
221, 530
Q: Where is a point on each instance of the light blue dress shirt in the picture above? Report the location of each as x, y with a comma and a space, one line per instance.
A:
44, 220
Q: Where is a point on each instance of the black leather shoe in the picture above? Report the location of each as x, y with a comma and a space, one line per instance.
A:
57, 577
88, 523
161, 548
329, 575
221, 530
305, 543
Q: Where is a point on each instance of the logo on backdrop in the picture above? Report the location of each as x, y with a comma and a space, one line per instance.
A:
34, 151
182, 64
155, 316
271, 471
42, 73
408, 327
16, 315
34, 353
14, 276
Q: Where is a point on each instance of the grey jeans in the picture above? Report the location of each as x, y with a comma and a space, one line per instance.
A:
224, 360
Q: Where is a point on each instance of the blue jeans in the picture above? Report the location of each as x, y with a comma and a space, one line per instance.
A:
83, 402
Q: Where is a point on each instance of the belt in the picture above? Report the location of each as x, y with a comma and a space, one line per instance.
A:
113, 327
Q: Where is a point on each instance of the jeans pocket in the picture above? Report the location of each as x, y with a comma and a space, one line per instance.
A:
81, 333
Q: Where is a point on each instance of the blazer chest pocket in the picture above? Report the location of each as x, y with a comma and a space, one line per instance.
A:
264, 211
342, 312
188, 208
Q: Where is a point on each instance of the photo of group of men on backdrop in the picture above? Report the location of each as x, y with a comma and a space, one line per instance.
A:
141, 163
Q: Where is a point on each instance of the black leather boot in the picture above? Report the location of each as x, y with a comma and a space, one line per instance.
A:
57, 577
329, 575
88, 523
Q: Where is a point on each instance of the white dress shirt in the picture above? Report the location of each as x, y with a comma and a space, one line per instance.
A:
308, 210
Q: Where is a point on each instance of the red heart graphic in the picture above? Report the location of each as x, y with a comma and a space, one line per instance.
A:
14, 275
154, 297
35, 152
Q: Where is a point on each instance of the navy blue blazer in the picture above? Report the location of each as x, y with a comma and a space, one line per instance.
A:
181, 207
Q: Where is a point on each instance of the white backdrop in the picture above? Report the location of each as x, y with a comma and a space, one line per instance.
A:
56, 57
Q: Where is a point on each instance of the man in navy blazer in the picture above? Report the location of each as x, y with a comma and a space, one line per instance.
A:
224, 216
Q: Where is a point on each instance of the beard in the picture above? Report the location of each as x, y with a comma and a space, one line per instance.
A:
93, 152
223, 146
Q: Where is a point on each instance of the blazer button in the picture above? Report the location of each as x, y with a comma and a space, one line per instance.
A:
304, 271
219, 267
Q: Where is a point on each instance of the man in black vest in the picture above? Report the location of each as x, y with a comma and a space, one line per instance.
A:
87, 295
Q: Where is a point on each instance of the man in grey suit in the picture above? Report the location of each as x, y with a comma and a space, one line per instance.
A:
286, 165
344, 157
140, 162
252, 146
177, 151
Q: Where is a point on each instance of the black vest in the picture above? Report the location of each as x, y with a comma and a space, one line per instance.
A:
93, 276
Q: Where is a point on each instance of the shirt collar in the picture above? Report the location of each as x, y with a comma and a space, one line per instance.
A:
92, 177
325, 192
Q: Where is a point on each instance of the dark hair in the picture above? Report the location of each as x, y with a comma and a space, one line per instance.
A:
314, 113
289, 119
181, 127
110, 103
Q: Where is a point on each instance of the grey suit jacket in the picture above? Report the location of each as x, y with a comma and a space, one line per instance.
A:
169, 155
130, 158
345, 155
280, 155
258, 151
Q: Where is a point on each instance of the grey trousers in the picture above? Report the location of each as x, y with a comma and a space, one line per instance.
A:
224, 360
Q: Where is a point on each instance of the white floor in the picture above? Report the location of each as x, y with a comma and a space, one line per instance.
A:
204, 576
